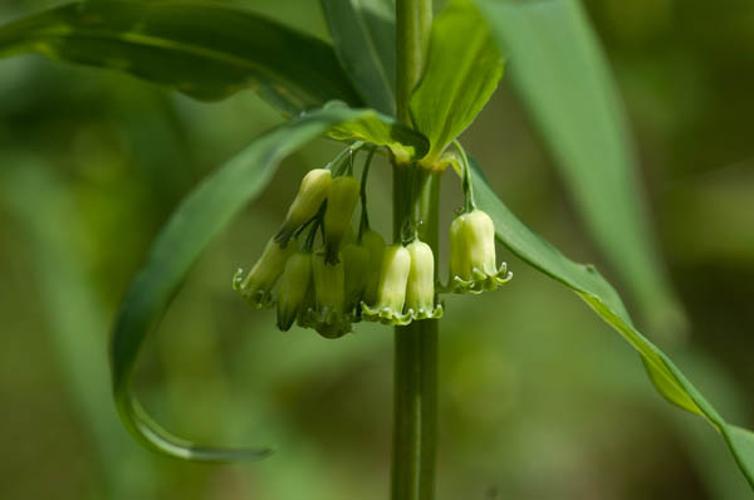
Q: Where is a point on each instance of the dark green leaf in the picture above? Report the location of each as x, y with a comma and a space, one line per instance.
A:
364, 37
201, 216
588, 284
561, 73
205, 50
464, 67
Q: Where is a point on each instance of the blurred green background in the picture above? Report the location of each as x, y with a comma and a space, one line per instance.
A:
538, 398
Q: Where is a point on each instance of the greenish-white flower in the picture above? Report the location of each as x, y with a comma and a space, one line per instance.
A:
342, 197
375, 246
311, 193
256, 286
391, 290
356, 268
293, 289
420, 289
328, 314
473, 265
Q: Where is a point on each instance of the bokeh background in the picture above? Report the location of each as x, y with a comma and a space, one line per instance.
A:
539, 399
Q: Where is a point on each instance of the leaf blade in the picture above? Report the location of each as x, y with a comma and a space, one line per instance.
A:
207, 51
364, 38
380, 130
463, 69
199, 218
564, 80
591, 287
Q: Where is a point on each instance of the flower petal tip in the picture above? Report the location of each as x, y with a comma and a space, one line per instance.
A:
480, 281
388, 316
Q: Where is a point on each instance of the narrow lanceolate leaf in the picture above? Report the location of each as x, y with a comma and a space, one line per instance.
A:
205, 50
463, 69
375, 128
364, 37
604, 300
199, 218
559, 70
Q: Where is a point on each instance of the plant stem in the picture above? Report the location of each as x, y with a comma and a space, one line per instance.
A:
415, 195
415, 379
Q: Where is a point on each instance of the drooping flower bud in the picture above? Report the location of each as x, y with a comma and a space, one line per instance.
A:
294, 287
328, 316
391, 290
311, 193
375, 245
473, 266
342, 197
356, 269
256, 287
420, 290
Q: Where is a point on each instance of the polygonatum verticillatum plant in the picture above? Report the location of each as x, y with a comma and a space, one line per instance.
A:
399, 83
352, 275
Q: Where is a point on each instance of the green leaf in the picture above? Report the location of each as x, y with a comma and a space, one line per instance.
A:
199, 218
364, 37
375, 128
463, 69
208, 51
560, 72
588, 284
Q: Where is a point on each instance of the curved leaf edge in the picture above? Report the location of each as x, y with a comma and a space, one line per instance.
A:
602, 298
45, 32
201, 216
524, 31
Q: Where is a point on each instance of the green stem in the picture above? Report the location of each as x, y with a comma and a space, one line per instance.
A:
415, 195
414, 434
415, 372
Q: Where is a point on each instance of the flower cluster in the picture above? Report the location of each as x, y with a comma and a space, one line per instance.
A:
329, 276
312, 285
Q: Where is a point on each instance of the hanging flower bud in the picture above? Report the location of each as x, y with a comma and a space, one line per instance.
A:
294, 286
256, 287
356, 269
328, 316
391, 291
311, 193
473, 266
420, 290
342, 197
375, 246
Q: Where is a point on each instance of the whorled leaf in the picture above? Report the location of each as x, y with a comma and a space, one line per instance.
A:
199, 218
364, 38
559, 70
205, 50
463, 69
589, 284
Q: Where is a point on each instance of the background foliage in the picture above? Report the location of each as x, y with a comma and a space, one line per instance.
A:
93, 163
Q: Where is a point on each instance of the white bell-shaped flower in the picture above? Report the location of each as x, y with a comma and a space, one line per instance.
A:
473, 266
